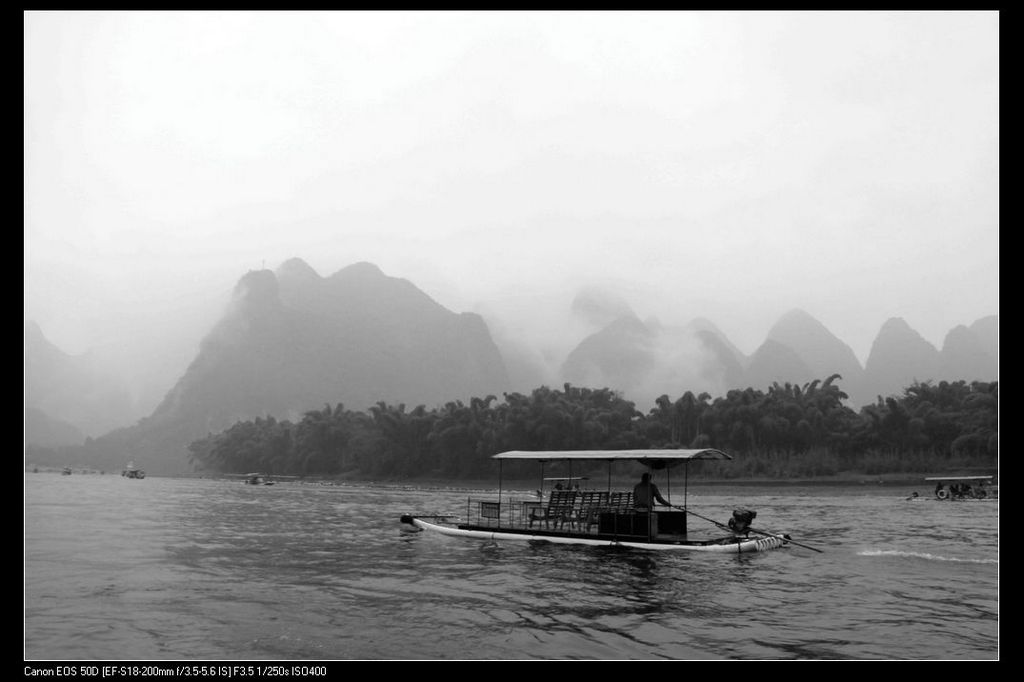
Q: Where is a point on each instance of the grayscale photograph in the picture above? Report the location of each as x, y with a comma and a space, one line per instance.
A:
437, 335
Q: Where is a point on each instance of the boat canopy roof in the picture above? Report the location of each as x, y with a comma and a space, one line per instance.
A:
959, 478
657, 459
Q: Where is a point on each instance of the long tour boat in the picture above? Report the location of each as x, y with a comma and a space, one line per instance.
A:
602, 517
131, 471
259, 478
964, 487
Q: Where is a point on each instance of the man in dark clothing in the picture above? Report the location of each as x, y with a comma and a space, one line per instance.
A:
645, 493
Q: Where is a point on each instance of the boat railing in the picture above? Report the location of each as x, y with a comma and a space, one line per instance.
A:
507, 513
556, 513
577, 511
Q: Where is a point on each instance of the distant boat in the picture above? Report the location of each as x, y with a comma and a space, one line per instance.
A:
259, 478
130, 471
964, 487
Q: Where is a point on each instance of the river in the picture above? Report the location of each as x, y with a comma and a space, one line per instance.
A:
189, 569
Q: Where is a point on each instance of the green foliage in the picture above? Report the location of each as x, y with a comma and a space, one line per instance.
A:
787, 431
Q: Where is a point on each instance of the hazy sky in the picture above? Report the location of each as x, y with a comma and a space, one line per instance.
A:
727, 165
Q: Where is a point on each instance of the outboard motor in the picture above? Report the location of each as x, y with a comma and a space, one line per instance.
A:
407, 525
741, 520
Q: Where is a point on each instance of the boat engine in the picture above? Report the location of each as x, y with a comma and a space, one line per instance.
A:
407, 524
741, 520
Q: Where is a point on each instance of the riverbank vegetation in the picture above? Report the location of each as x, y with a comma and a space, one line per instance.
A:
788, 431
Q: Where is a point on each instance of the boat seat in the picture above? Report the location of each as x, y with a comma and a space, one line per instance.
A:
530, 510
558, 509
589, 506
621, 502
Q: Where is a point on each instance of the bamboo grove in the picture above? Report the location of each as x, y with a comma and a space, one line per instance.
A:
786, 431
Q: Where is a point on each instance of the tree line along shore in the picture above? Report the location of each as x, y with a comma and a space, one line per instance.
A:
787, 432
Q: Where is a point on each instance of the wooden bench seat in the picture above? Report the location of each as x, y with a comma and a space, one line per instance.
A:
589, 504
621, 502
559, 509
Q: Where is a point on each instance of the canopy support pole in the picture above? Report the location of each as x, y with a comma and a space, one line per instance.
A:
651, 503
686, 479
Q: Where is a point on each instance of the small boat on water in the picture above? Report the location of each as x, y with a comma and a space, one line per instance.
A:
259, 478
964, 487
603, 517
131, 471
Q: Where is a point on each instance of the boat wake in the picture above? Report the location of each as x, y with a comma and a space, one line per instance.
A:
924, 555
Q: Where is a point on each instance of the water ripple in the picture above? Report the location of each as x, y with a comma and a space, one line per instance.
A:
925, 555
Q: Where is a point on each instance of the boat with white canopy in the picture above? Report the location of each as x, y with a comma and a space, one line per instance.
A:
964, 487
602, 517
132, 471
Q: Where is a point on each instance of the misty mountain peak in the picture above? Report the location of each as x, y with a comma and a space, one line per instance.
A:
620, 354
957, 333
821, 351
654, 325
987, 331
968, 355
897, 327
256, 294
70, 392
796, 314
774, 361
628, 324
33, 332
705, 329
802, 332
899, 356
357, 338
598, 307
257, 285
38, 346
361, 271
298, 270
796, 319
703, 324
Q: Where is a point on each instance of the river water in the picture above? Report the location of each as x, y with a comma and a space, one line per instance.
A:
186, 569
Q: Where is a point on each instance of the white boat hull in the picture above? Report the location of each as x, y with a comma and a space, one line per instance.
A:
739, 545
